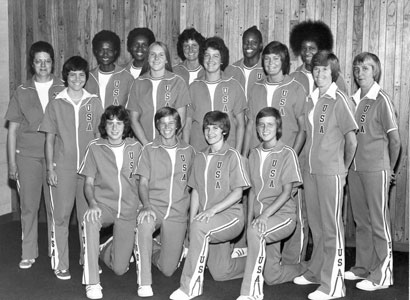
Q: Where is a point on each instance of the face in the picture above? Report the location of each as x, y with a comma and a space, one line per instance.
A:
42, 64
272, 64
105, 54
139, 48
251, 45
212, 60
191, 50
114, 129
157, 58
267, 129
213, 134
363, 74
309, 48
76, 80
322, 76
167, 127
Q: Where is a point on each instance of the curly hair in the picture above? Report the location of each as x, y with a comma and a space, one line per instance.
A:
119, 112
315, 31
143, 31
218, 44
253, 30
188, 34
107, 36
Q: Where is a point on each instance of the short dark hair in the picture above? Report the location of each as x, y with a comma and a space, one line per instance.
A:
325, 58
37, 47
188, 34
255, 31
218, 44
145, 66
75, 63
167, 111
119, 112
367, 56
278, 49
107, 36
271, 112
219, 119
144, 31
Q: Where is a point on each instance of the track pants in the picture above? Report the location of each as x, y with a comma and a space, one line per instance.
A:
324, 200
369, 193
116, 254
210, 246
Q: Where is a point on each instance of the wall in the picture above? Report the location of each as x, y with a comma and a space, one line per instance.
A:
378, 26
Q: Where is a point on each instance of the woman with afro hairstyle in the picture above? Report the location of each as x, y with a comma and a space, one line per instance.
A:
306, 39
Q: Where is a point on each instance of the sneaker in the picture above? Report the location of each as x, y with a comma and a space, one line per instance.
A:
183, 255
239, 252
367, 285
93, 291
145, 291
99, 270
250, 297
318, 295
301, 280
179, 295
26, 263
63, 274
349, 275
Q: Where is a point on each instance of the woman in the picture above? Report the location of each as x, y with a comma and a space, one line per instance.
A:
189, 43
25, 145
156, 87
330, 147
370, 177
215, 91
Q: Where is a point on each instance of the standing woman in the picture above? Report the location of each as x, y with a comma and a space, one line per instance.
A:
215, 91
155, 88
372, 172
25, 145
189, 43
330, 147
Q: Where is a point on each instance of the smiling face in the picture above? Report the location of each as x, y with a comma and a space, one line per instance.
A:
115, 130
76, 80
309, 48
251, 45
364, 74
157, 58
212, 60
272, 64
167, 127
214, 135
139, 48
322, 75
42, 64
106, 55
267, 130
191, 50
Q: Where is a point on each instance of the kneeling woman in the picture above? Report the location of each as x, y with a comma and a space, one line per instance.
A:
274, 173
217, 179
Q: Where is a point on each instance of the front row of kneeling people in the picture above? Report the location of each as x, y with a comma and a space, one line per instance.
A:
194, 199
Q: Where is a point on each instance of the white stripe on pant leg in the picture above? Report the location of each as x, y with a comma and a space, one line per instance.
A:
302, 225
86, 271
196, 282
257, 279
387, 265
54, 250
137, 256
337, 277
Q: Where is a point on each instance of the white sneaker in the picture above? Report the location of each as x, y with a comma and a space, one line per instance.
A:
145, 291
179, 295
250, 297
367, 285
93, 291
239, 252
26, 263
318, 295
349, 275
301, 280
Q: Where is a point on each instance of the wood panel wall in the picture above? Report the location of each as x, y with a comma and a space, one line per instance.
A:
378, 26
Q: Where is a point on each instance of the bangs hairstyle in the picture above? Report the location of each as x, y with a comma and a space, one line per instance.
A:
218, 44
107, 36
219, 119
326, 58
314, 31
373, 60
188, 34
270, 112
37, 47
255, 31
119, 112
75, 63
140, 31
165, 112
278, 49
145, 65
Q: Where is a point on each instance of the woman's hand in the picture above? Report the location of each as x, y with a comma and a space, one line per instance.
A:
261, 223
146, 213
52, 178
205, 215
93, 214
13, 172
